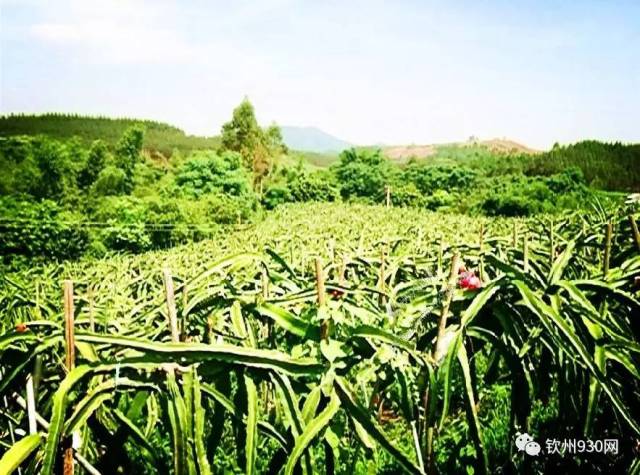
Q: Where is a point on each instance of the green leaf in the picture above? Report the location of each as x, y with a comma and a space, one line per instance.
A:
361, 415
547, 313
474, 421
311, 431
288, 321
192, 353
19, 452
251, 442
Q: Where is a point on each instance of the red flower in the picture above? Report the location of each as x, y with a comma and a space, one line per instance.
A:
469, 281
21, 328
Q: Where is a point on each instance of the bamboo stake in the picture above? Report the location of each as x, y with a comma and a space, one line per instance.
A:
634, 230
31, 406
607, 248
171, 305
387, 193
514, 240
70, 360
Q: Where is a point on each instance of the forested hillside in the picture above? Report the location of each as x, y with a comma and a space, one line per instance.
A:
72, 186
159, 137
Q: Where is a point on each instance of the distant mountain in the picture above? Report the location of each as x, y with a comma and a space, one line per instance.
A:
312, 139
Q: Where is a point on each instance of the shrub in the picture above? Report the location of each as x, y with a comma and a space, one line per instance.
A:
276, 195
205, 172
110, 182
363, 174
316, 186
39, 230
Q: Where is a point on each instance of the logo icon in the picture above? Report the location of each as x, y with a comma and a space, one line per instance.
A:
524, 442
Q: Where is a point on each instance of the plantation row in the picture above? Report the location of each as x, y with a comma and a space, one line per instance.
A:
346, 339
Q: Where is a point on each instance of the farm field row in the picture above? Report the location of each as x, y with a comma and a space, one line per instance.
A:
346, 338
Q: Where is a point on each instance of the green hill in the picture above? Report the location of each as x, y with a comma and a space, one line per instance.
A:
159, 137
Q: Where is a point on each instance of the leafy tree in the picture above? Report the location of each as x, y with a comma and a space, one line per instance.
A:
94, 164
316, 186
242, 133
363, 174
259, 148
57, 175
111, 181
205, 172
128, 152
274, 140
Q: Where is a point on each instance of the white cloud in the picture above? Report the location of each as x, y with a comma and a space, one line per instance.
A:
116, 32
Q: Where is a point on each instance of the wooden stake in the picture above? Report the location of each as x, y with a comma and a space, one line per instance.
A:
69, 334
387, 193
514, 240
634, 230
324, 325
607, 248
70, 361
171, 305
320, 283
92, 322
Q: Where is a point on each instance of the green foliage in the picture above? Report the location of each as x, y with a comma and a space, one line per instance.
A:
276, 195
255, 385
161, 140
315, 186
428, 179
39, 230
125, 219
111, 181
205, 172
363, 174
95, 163
242, 133
258, 148
127, 154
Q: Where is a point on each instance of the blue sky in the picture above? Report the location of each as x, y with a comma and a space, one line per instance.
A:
367, 71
